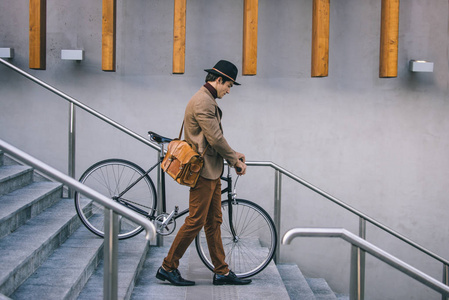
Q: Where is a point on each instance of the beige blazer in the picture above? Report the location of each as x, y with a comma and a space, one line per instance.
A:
202, 127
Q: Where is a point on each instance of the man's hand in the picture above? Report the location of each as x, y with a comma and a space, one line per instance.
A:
241, 156
240, 166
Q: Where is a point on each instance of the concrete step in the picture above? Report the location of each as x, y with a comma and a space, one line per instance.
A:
14, 177
321, 289
24, 250
295, 282
342, 297
66, 271
299, 287
3, 297
131, 258
1, 164
266, 285
20, 205
148, 286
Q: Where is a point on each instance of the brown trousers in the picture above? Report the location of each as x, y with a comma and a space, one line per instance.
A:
204, 210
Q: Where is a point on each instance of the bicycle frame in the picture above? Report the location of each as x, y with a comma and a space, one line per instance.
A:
231, 197
175, 214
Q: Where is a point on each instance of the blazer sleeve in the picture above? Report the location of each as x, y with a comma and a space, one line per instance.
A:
205, 114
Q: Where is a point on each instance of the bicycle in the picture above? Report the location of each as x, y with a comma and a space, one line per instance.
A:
248, 232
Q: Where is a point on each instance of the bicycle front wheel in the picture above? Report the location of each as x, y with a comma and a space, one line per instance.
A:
110, 178
254, 245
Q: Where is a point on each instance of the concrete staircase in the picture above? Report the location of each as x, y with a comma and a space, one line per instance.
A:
46, 253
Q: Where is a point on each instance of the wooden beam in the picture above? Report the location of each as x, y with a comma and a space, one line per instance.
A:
109, 35
389, 33
179, 37
38, 34
250, 37
320, 38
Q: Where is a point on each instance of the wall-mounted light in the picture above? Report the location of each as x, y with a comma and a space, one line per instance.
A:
72, 54
420, 66
6, 52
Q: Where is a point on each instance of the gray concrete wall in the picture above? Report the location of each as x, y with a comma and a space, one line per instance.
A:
380, 145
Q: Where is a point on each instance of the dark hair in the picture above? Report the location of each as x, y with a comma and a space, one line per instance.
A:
213, 77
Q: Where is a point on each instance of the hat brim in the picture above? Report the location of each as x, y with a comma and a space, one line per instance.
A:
220, 74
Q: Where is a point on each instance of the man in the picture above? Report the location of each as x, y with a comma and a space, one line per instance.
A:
202, 129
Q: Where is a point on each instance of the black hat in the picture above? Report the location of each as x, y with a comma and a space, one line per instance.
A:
225, 68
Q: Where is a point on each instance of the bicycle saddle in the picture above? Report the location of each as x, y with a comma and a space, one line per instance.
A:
159, 138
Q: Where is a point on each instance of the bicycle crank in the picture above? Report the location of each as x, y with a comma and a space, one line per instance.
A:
165, 225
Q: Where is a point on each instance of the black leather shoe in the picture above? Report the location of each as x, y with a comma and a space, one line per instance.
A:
174, 277
231, 278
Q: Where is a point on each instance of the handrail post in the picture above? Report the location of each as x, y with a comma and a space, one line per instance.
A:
277, 211
357, 274
72, 143
110, 276
445, 279
354, 277
362, 228
361, 254
160, 193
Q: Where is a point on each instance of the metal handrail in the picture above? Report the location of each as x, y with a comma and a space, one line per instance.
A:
81, 105
111, 236
348, 207
360, 243
278, 182
59, 176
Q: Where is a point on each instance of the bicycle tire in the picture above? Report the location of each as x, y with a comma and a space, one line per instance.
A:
110, 177
256, 241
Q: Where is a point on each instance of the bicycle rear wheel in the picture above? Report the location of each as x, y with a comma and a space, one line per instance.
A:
111, 177
255, 244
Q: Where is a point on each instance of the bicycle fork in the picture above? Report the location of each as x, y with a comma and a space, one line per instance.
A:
232, 195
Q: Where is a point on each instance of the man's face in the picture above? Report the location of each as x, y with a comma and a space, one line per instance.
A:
223, 88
